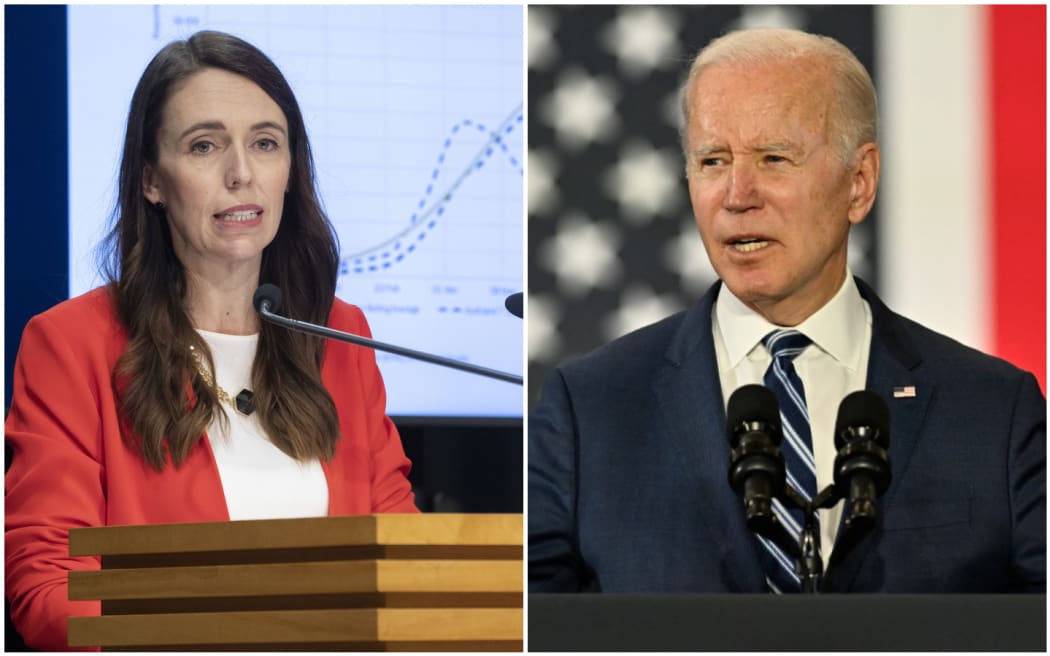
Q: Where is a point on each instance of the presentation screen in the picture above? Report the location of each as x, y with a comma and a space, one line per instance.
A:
415, 116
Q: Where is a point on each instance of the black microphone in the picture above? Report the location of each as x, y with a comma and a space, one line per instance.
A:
515, 304
756, 468
862, 465
267, 299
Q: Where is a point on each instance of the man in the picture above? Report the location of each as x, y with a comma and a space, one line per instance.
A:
628, 458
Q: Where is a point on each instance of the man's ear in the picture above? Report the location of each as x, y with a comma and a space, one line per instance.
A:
864, 183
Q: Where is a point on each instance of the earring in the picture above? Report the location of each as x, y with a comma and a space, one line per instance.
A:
159, 205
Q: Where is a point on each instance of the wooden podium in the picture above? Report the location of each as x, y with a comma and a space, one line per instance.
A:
376, 582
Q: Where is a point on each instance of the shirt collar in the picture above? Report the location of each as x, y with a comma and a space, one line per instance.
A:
834, 327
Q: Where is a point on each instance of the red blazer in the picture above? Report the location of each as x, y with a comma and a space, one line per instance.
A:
72, 469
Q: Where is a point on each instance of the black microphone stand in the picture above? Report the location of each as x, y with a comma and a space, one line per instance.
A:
323, 331
808, 562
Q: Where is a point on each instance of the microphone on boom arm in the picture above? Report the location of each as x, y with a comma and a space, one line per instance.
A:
267, 300
515, 304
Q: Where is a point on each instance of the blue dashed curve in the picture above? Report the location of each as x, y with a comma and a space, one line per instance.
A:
395, 250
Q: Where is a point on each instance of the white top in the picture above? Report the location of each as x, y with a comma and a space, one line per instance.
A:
259, 480
834, 366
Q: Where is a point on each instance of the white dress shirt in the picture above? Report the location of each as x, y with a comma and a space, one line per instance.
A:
832, 367
259, 480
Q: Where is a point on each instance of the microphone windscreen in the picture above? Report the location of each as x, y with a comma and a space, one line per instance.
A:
752, 403
863, 408
515, 304
268, 293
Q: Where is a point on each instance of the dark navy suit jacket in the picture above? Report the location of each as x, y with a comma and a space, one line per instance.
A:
628, 461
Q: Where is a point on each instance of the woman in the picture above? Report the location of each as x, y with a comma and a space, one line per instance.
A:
162, 397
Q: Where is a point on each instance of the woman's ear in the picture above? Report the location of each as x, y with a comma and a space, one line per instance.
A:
150, 185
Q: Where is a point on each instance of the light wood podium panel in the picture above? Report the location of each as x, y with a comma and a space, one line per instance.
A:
378, 582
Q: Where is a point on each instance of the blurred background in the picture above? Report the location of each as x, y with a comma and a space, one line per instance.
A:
957, 237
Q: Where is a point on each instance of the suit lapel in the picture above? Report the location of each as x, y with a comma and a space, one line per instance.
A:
689, 394
892, 363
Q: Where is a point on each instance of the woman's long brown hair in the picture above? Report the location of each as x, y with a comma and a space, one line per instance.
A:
153, 377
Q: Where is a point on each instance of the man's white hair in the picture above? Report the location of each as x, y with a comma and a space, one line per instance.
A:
854, 117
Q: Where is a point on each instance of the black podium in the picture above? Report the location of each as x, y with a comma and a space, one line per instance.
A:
747, 622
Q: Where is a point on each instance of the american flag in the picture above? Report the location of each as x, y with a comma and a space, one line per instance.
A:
904, 392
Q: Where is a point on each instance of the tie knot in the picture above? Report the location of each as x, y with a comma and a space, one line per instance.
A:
786, 344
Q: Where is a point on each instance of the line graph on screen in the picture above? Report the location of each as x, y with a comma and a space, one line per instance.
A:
432, 205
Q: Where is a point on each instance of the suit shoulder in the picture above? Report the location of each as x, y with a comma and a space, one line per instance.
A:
954, 359
638, 350
93, 307
90, 318
83, 329
941, 357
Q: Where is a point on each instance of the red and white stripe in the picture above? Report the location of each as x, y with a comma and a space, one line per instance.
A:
963, 191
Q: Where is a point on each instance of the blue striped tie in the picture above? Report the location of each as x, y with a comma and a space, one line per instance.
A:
797, 447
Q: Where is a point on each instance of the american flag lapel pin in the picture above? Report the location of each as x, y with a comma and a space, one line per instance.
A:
905, 392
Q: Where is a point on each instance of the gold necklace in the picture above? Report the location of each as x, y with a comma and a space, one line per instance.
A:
244, 401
